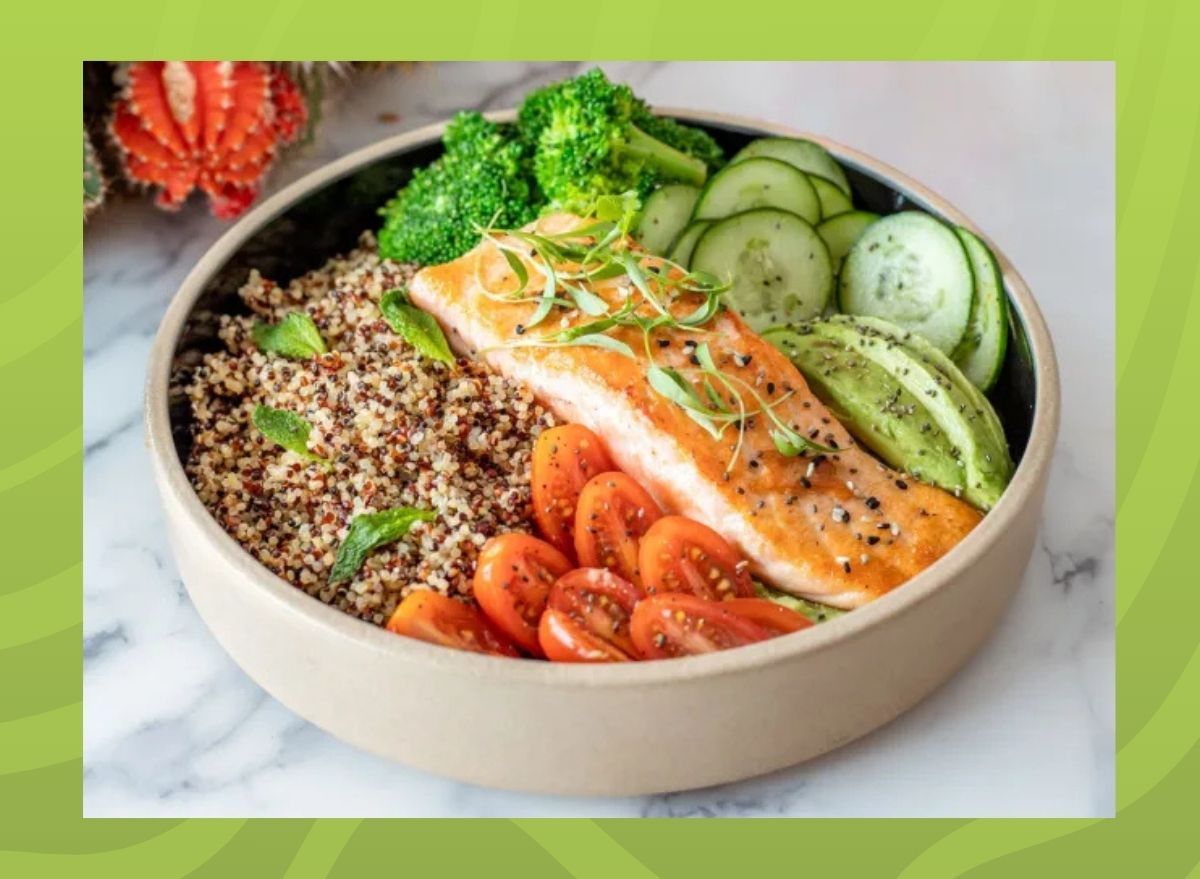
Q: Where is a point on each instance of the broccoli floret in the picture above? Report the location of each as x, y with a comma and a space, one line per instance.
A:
588, 144
485, 175
535, 114
693, 141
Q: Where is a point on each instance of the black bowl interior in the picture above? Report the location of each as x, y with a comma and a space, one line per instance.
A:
330, 220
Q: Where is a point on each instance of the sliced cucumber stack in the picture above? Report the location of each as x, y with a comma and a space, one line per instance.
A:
777, 264
758, 183
833, 200
980, 354
681, 250
839, 233
912, 270
809, 157
665, 215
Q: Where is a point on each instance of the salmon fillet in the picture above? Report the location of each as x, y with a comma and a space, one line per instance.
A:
840, 528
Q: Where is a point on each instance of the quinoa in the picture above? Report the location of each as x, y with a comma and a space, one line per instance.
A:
401, 430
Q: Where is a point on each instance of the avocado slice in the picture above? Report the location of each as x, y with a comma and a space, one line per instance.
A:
814, 611
904, 400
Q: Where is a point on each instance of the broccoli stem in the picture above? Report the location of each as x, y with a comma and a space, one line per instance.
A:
668, 161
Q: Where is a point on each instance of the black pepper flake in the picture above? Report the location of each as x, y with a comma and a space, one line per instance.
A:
872, 503
754, 464
520, 329
872, 539
902, 485
663, 343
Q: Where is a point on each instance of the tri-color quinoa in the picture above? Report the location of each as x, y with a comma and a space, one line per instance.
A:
401, 430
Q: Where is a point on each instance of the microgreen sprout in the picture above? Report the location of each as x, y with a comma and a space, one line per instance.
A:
565, 262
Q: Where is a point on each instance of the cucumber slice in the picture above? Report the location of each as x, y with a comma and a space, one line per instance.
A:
839, 233
911, 269
681, 250
980, 354
758, 183
666, 213
777, 263
812, 158
833, 200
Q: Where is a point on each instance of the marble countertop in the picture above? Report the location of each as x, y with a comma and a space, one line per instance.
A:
173, 728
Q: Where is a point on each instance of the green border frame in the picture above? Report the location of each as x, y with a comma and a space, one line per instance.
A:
1158, 488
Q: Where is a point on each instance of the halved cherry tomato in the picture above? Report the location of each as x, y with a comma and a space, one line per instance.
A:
613, 514
679, 624
681, 555
564, 459
597, 602
512, 580
565, 640
439, 619
779, 620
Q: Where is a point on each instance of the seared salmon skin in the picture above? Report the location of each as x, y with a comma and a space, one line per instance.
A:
836, 527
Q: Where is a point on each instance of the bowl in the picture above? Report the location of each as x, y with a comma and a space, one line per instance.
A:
574, 729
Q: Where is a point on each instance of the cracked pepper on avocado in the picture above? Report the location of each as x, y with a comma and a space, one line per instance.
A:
598, 393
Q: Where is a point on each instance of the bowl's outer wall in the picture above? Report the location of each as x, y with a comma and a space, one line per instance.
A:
728, 717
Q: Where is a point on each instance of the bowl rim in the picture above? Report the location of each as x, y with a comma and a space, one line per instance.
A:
174, 485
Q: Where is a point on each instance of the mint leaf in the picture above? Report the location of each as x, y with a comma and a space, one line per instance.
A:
295, 337
417, 327
370, 531
286, 429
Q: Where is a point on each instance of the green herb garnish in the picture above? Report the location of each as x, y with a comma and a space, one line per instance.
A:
295, 337
711, 397
417, 327
286, 429
818, 613
369, 531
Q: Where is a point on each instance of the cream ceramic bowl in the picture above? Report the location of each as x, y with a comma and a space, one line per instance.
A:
620, 729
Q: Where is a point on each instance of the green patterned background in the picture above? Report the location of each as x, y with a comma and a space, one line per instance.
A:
1158, 489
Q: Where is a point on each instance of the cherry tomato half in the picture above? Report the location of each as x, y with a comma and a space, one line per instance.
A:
598, 602
613, 514
565, 640
776, 618
564, 459
679, 624
512, 580
439, 619
681, 555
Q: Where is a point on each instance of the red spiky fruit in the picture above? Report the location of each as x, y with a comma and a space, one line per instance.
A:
216, 126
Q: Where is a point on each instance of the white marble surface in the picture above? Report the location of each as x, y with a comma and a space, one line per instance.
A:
173, 727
